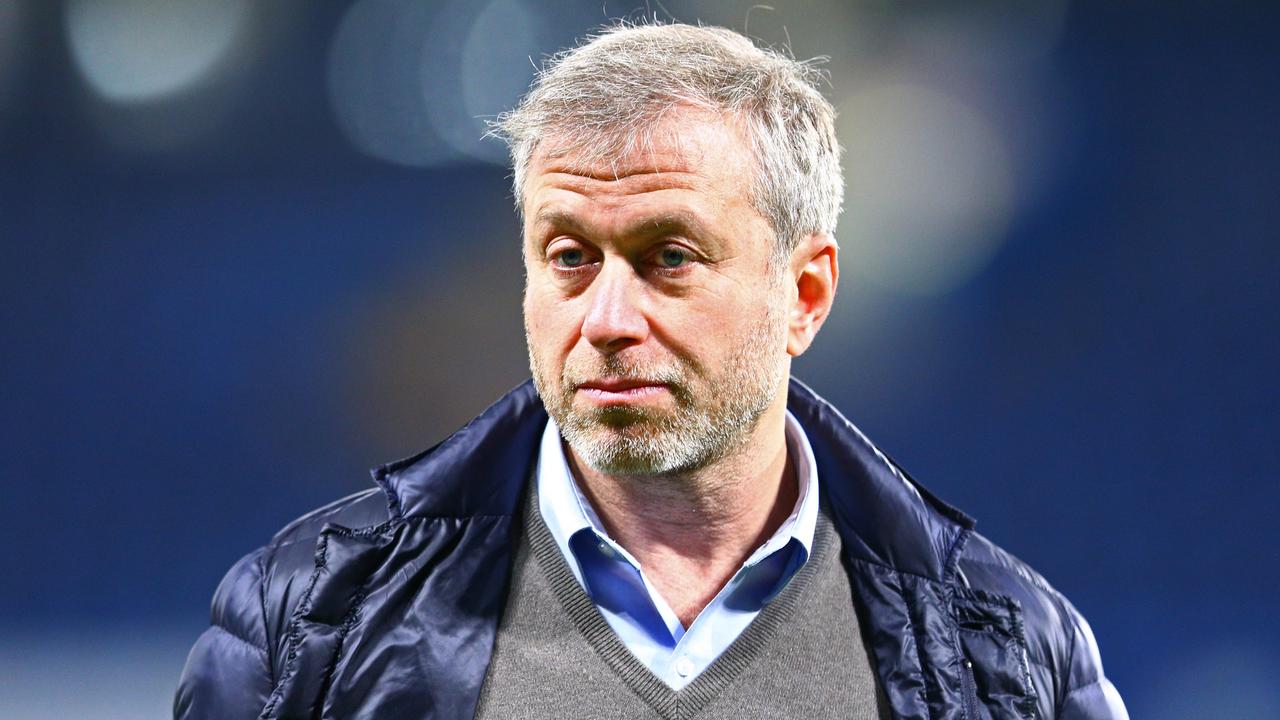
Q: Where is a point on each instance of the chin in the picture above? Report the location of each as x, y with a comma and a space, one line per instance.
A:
636, 451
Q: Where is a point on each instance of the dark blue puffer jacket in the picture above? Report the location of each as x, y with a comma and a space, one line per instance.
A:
385, 604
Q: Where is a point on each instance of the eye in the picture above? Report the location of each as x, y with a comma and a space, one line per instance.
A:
566, 255
673, 257
570, 258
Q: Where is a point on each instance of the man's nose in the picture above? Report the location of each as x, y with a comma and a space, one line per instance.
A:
615, 316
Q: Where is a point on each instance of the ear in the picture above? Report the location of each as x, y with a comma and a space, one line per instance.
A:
815, 271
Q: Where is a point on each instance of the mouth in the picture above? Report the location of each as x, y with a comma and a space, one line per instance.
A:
612, 391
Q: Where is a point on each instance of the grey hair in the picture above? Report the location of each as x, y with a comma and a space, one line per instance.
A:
601, 99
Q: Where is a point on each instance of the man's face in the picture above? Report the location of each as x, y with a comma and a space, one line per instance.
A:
654, 312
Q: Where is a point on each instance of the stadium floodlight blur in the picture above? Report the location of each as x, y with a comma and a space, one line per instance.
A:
505, 40
929, 192
942, 153
161, 74
412, 83
376, 80
141, 50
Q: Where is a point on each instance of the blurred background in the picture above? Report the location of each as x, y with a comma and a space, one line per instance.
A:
249, 250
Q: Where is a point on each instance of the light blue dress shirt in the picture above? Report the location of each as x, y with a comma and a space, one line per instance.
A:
631, 605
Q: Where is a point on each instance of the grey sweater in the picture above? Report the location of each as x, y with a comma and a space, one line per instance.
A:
555, 656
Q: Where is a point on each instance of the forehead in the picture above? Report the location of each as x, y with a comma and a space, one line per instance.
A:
687, 152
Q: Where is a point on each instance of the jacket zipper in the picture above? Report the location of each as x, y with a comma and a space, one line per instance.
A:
970, 690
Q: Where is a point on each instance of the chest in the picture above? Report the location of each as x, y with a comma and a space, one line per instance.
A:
554, 656
408, 626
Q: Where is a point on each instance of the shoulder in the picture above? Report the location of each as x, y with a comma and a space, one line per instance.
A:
1061, 651
233, 665
266, 585
294, 544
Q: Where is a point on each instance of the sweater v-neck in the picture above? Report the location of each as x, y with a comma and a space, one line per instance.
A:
720, 674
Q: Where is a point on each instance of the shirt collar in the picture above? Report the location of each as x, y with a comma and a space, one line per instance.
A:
567, 511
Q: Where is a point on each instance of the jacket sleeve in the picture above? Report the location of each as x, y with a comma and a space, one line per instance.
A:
228, 673
1089, 695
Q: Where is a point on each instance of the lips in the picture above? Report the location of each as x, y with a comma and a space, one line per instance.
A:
612, 390
617, 384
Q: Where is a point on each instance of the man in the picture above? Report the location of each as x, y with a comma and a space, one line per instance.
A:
668, 527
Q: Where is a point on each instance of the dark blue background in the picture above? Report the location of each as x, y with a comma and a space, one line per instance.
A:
200, 345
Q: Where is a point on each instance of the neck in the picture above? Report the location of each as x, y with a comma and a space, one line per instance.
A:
692, 532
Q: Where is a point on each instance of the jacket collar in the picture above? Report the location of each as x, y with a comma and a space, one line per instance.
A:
883, 516
479, 470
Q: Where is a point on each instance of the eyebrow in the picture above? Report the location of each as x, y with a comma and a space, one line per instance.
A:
548, 217
665, 223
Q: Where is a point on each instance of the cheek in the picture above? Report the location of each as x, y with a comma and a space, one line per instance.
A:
756, 319
718, 318
550, 325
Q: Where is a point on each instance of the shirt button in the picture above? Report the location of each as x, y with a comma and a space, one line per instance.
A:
606, 550
684, 667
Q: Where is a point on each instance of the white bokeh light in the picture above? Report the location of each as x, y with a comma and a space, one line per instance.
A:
377, 86
141, 50
928, 188
413, 83
497, 68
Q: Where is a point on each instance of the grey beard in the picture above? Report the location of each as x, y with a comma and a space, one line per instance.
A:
699, 432
629, 441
